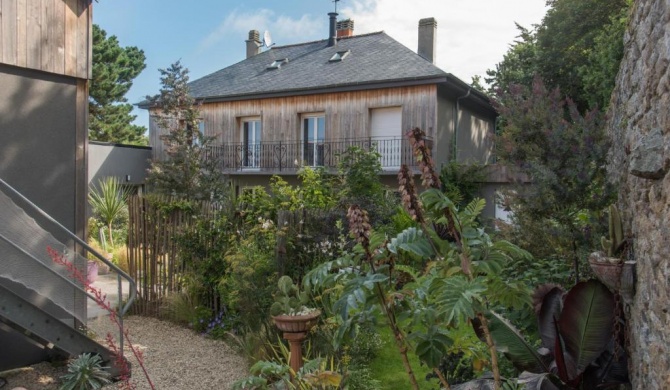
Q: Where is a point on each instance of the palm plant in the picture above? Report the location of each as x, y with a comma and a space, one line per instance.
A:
108, 202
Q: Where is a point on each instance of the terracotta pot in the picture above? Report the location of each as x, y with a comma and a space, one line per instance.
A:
607, 270
296, 324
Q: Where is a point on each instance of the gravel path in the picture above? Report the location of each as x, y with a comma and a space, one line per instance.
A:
176, 358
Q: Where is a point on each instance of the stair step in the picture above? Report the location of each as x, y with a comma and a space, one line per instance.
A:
48, 331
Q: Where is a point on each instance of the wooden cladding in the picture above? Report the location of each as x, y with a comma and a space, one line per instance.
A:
49, 35
347, 114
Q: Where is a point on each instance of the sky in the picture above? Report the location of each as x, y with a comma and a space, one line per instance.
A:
208, 35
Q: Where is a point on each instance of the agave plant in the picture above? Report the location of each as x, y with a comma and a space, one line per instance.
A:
578, 348
84, 373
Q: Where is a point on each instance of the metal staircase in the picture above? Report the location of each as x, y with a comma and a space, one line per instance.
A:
42, 306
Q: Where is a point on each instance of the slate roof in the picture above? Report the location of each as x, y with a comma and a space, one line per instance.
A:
374, 58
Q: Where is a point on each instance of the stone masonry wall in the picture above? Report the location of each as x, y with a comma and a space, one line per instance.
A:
639, 127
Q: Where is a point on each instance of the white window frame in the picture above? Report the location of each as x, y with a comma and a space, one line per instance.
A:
313, 148
250, 152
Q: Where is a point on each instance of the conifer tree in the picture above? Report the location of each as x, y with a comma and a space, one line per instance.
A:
114, 69
191, 168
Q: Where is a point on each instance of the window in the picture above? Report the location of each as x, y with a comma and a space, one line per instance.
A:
314, 136
276, 64
386, 132
339, 56
251, 143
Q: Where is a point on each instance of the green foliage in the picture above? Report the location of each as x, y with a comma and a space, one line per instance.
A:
108, 201
360, 170
576, 338
461, 182
360, 183
567, 36
289, 300
603, 58
185, 309
273, 375
565, 155
447, 293
577, 47
316, 188
564, 152
85, 372
114, 69
251, 276
519, 64
190, 171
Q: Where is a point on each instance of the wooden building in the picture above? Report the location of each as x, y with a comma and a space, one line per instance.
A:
45, 65
303, 104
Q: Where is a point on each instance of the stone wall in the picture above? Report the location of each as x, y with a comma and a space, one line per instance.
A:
639, 127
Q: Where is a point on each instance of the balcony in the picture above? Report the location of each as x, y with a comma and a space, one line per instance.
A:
289, 156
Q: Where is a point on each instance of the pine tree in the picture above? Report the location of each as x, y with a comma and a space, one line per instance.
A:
114, 69
191, 170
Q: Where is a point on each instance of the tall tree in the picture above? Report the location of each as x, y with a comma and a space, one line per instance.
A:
190, 170
565, 155
114, 69
577, 48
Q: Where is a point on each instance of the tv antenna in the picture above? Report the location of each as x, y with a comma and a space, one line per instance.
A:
267, 39
336, 1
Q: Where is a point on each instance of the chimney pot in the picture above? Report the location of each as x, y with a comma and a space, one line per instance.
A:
253, 43
345, 28
427, 39
332, 39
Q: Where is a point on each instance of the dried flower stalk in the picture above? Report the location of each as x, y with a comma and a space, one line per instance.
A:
417, 138
408, 194
101, 300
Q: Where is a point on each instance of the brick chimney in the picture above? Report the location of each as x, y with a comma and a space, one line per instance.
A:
253, 43
345, 28
427, 39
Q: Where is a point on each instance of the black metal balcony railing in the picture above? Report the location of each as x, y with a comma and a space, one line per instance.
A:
288, 156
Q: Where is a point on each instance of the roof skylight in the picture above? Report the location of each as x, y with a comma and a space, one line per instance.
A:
339, 56
276, 64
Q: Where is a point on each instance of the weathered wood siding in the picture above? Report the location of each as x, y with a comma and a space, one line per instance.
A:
53, 36
347, 114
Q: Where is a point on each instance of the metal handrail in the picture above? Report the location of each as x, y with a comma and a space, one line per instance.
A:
132, 286
292, 154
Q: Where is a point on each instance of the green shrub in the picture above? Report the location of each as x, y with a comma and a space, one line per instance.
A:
361, 379
85, 372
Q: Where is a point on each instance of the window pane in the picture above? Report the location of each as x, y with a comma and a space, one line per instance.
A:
322, 128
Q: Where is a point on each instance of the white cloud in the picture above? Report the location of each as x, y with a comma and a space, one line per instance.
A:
285, 29
472, 35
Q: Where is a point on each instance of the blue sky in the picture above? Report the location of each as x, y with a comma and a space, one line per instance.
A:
208, 35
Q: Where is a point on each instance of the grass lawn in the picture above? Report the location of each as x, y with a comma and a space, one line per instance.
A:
387, 367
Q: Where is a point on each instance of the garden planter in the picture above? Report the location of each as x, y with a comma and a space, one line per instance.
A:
91, 271
296, 324
295, 330
607, 270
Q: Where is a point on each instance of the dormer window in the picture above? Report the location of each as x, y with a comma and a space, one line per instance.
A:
276, 64
339, 56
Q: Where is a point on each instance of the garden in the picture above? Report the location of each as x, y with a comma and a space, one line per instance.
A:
339, 282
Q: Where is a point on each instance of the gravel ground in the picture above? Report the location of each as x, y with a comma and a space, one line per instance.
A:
176, 358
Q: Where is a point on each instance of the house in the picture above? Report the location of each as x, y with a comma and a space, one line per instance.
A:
303, 104
45, 66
